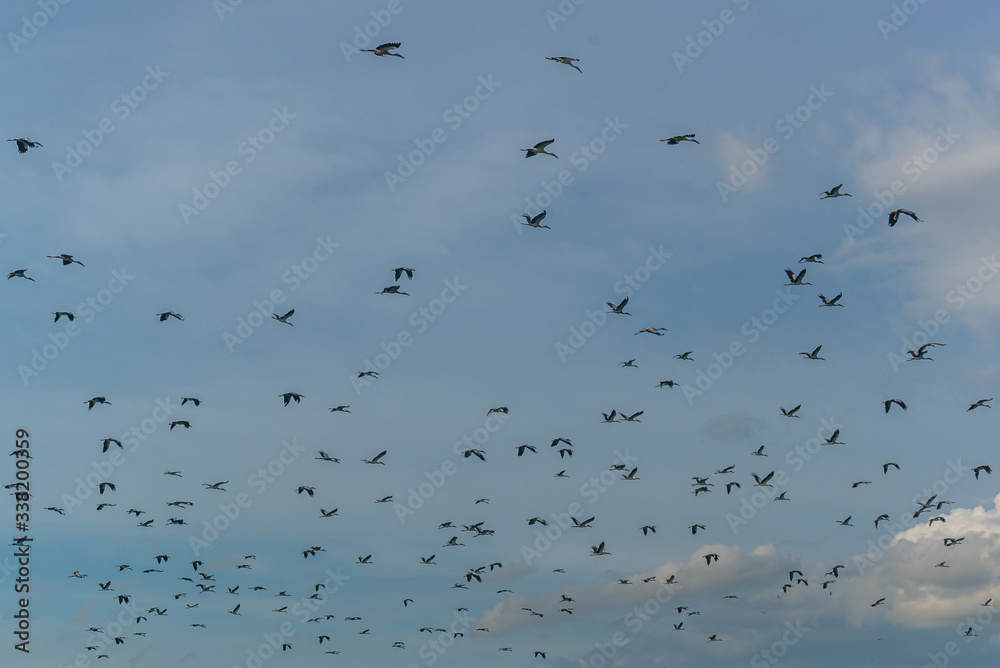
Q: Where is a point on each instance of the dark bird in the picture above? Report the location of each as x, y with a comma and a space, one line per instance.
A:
831, 302
19, 273
565, 60
889, 402
385, 49
834, 192
816, 257
399, 271
284, 318
288, 396
96, 400
180, 423
539, 148
894, 216
23, 144
169, 314
677, 139
796, 279
392, 290
66, 259
534, 221
59, 314
979, 404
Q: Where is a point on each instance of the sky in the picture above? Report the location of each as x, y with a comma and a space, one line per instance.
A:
233, 161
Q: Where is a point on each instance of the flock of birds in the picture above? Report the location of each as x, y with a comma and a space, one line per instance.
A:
195, 586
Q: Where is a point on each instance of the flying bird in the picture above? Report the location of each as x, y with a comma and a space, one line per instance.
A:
565, 60
66, 259
539, 148
620, 309
796, 279
894, 216
534, 221
19, 273
831, 302
889, 402
169, 314
399, 271
834, 192
392, 290
284, 318
385, 49
677, 139
23, 144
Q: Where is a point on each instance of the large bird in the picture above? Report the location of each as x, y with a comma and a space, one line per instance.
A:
385, 49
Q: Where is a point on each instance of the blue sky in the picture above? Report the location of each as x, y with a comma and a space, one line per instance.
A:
229, 161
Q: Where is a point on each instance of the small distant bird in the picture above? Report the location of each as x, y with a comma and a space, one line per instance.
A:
796, 279
885, 467
845, 522
630, 363
399, 271
385, 49
498, 409
539, 148
834, 192
894, 216
371, 374
392, 290
831, 302
652, 330
66, 259
878, 602
981, 403
168, 314
59, 314
984, 468
677, 139
340, 409
565, 60
759, 452
814, 355
289, 396
534, 221
96, 400
19, 273
23, 144
196, 402
284, 318
792, 412
817, 258
667, 383
685, 356
522, 448
180, 423
620, 309
889, 402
